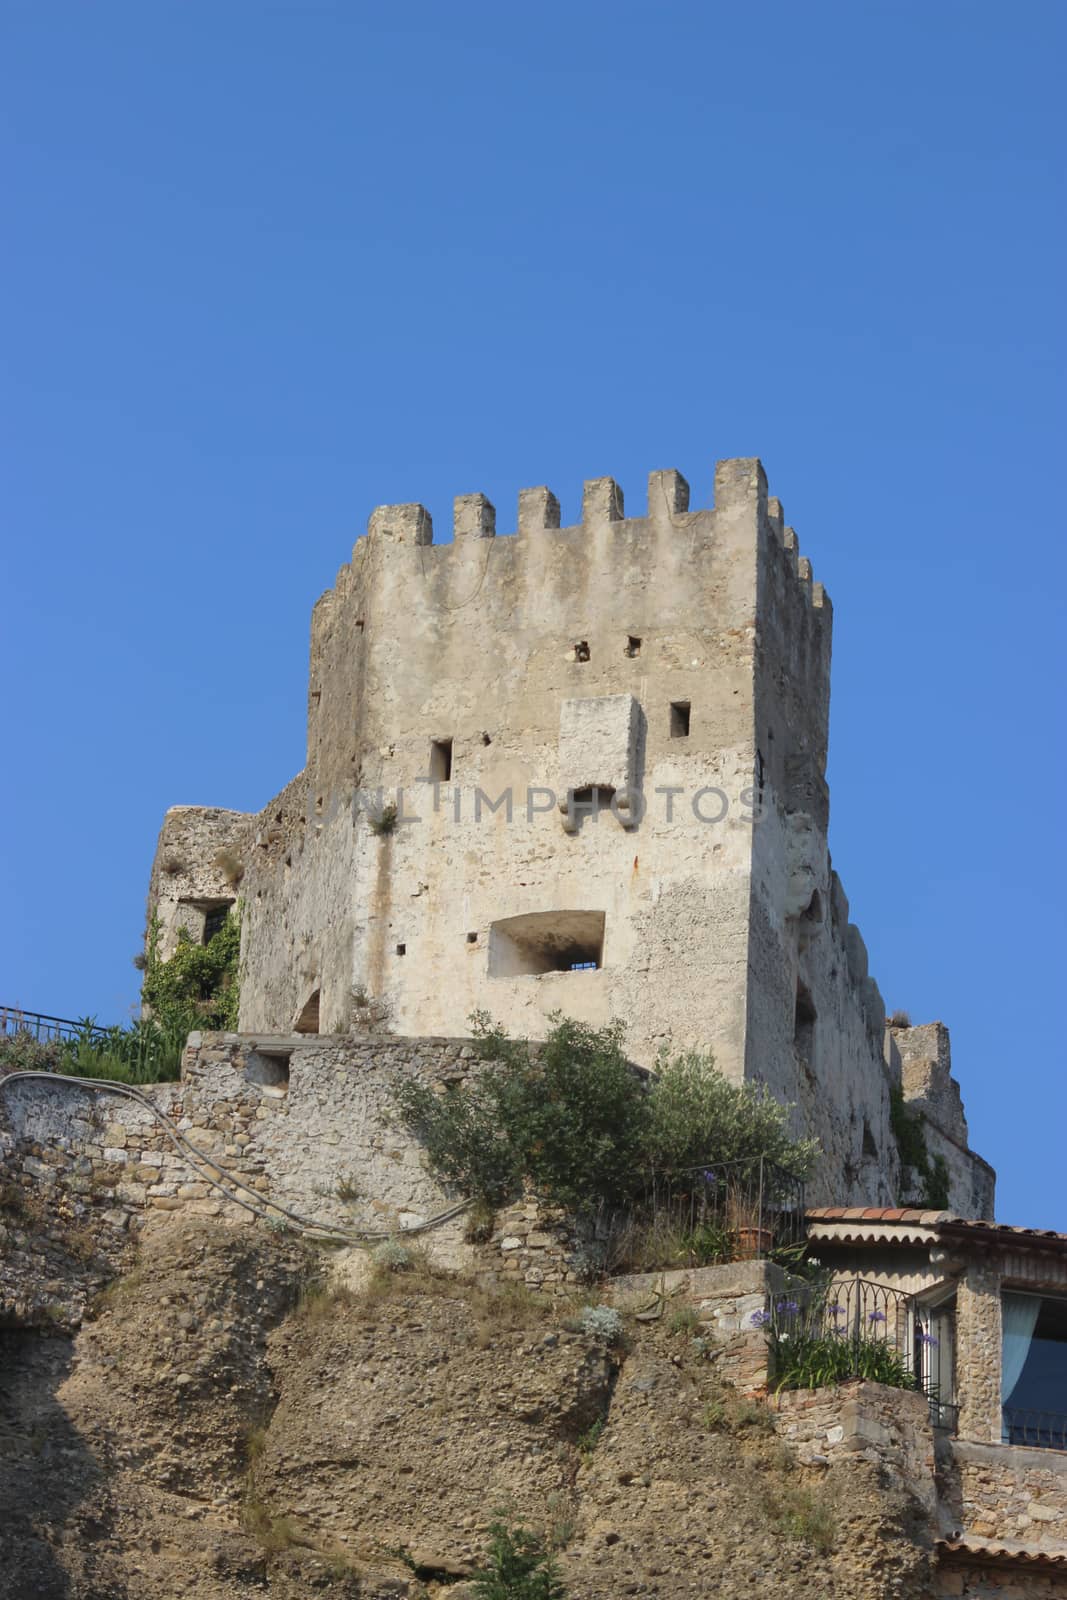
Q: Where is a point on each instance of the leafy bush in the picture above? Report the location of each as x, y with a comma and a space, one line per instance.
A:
519, 1567
570, 1118
574, 1120
141, 1053
805, 1361
697, 1115
199, 986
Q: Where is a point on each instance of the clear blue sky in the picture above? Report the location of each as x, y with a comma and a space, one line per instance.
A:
269, 265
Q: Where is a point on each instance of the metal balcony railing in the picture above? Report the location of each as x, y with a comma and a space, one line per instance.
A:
1041, 1430
40, 1026
723, 1211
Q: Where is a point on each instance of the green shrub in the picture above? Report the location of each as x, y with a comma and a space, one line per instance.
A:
573, 1119
384, 821
699, 1116
199, 986
519, 1567
807, 1361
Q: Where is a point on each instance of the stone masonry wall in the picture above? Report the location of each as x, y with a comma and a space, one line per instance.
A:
1005, 1492
978, 1343
889, 1426
316, 1138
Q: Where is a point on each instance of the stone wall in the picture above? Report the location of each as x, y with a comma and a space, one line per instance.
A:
1005, 1492
978, 1352
1004, 1580
888, 1426
304, 1125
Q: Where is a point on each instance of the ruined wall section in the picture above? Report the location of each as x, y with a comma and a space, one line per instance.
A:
921, 1062
815, 1017
197, 868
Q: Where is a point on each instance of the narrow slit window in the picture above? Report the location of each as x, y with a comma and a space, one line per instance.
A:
679, 719
441, 760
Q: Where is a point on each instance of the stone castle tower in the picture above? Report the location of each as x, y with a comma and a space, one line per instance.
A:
578, 769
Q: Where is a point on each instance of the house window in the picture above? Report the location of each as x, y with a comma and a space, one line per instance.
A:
1034, 1371
679, 719
546, 941
441, 760
934, 1358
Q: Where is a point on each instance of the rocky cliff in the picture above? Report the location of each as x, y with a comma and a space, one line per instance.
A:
223, 1419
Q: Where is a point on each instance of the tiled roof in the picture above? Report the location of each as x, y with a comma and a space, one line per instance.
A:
857, 1224
1007, 1555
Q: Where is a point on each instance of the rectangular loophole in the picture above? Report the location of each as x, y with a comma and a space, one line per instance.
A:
441, 760
546, 941
633, 645
401, 949
679, 719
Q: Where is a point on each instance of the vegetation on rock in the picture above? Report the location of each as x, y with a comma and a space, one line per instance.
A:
909, 1131
519, 1567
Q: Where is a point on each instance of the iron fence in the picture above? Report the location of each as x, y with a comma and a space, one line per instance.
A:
724, 1211
38, 1025
831, 1330
1043, 1430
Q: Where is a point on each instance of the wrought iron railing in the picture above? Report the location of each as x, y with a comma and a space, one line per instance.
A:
1043, 1430
827, 1332
40, 1026
742, 1210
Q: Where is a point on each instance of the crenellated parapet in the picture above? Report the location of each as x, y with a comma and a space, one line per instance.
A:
740, 490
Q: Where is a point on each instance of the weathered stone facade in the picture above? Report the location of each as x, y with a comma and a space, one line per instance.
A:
305, 1129
670, 669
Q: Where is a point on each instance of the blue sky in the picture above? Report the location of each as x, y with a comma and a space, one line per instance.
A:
269, 265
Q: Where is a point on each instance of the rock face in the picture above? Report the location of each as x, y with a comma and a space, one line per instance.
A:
217, 1429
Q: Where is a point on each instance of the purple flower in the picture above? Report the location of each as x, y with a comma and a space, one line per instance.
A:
929, 1340
709, 1176
835, 1311
876, 1316
787, 1308
759, 1318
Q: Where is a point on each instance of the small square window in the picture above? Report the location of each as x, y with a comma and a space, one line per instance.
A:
401, 949
472, 938
679, 719
581, 650
633, 645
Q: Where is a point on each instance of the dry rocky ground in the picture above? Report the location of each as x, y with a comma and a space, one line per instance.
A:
215, 1428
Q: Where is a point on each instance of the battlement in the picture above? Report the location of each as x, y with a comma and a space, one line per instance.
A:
740, 491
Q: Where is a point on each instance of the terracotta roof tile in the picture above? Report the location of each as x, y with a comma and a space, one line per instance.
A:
979, 1550
945, 1222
